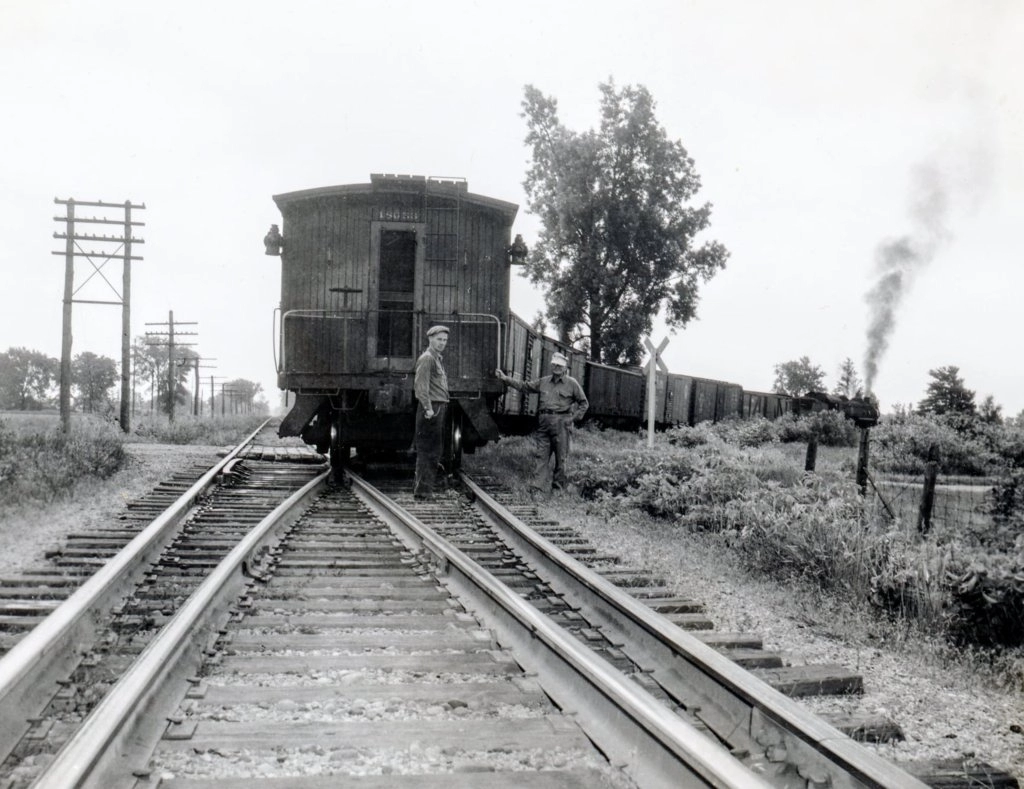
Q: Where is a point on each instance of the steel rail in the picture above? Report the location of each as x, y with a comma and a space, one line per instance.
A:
753, 717
52, 646
659, 748
89, 759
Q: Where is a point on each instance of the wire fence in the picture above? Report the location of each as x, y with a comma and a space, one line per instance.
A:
958, 506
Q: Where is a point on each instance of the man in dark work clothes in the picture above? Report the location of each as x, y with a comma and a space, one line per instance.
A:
562, 403
431, 389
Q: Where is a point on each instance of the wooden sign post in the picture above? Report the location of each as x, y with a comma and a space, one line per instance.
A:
654, 364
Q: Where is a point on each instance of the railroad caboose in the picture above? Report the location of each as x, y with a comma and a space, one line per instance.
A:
366, 270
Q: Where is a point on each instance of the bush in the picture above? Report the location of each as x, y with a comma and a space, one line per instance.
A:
1008, 444
1007, 506
7, 453
43, 465
688, 437
904, 445
812, 532
754, 432
986, 605
831, 427
747, 432
597, 474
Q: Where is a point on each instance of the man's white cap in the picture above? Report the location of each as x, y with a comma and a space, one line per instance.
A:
557, 358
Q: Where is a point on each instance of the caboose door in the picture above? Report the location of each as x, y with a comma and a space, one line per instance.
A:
396, 285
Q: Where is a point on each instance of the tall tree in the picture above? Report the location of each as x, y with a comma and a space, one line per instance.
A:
150, 362
990, 411
798, 377
185, 366
617, 240
947, 394
849, 383
147, 367
93, 376
26, 378
244, 396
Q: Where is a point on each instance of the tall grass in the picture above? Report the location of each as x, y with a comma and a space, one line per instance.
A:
188, 429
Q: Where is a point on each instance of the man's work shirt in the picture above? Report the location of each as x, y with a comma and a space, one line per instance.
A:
430, 384
558, 394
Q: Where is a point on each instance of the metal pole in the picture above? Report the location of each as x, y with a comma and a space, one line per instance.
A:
65, 347
195, 399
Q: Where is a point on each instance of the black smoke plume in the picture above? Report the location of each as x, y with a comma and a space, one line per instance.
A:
897, 262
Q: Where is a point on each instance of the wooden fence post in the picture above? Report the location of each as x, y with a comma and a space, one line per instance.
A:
931, 473
812, 453
862, 461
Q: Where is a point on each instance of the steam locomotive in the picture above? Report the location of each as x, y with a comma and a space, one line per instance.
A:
367, 269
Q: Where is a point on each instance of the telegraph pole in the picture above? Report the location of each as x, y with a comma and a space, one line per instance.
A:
213, 396
197, 403
105, 254
225, 392
169, 339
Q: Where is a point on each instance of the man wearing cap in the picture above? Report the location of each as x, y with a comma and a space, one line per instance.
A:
562, 402
430, 386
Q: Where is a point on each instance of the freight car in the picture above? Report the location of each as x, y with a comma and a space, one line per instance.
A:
618, 395
367, 269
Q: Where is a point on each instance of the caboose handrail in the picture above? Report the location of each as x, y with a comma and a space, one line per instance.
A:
277, 338
327, 314
497, 327
421, 321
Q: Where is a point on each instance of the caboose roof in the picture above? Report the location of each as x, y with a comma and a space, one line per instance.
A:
403, 184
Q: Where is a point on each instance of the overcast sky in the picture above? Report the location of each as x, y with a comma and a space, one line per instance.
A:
831, 138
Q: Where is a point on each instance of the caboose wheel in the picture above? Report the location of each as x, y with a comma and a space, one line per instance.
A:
340, 451
452, 455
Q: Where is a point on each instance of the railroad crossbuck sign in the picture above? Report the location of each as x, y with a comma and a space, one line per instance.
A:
654, 364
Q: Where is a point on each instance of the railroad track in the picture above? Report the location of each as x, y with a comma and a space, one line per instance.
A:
306, 631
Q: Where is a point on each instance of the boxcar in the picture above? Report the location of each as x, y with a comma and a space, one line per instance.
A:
714, 401
678, 400
527, 357
521, 349
769, 405
730, 401
366, 270
616, 395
